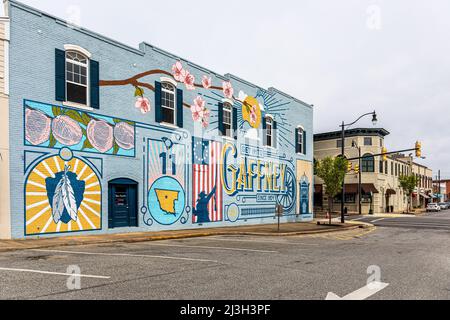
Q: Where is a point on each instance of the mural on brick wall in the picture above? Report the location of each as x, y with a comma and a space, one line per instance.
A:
305, 187
62, 194
166, 180
55, 127
256, 180
207, 190
222, 188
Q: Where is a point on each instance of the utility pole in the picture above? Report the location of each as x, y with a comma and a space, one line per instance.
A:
359, 182
439, 186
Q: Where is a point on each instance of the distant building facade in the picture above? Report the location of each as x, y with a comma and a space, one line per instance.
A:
381, 190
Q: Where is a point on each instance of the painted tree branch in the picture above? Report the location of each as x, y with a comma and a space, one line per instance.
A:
134, 81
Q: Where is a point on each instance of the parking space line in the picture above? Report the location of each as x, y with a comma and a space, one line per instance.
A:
260, 241
123, 255
375, 221
55, 273
215, 248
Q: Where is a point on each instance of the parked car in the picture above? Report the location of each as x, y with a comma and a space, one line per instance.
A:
433, 207
444, 205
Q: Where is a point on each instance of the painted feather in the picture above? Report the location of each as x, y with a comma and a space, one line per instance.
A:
69, 196
58, 203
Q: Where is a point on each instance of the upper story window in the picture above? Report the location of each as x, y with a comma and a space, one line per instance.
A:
77, 78
368, 163
300, 139
269, 132
227, 119
168, 103
339, 143
367, 141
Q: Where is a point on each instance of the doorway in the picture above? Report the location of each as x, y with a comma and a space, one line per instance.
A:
122, 204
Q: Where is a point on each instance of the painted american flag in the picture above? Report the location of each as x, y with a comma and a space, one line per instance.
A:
206, 176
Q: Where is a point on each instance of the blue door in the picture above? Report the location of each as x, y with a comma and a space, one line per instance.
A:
122, 204
304, 196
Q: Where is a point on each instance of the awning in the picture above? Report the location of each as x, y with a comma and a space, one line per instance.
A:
424, 195
365, 187
390, 192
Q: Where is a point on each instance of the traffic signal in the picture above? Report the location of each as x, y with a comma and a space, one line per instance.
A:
349, 167
384, 154
418, 149
357, 168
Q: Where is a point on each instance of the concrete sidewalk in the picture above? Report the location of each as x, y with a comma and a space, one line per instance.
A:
287, 229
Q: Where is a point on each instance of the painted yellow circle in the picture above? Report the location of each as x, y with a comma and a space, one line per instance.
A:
248, 103
39, 209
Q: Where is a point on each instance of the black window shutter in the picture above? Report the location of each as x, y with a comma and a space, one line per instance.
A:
274, 134
158, 97
297, 146
220, 118
180, 108
264, 123
95, 84
304, 142
60, 75
235, 123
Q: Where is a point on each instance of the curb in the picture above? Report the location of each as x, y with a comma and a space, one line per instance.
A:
357, 225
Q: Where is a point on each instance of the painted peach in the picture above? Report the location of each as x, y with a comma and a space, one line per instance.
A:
100, 134
124, 135
66, 131
37, 127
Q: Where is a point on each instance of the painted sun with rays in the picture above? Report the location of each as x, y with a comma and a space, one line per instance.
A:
62, 196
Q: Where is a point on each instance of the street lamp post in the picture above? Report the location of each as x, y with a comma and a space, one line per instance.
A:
343, 126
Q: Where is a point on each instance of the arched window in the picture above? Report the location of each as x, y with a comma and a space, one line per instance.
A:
368, 163
77, 77
168, 103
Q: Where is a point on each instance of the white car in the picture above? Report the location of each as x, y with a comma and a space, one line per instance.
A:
433, 207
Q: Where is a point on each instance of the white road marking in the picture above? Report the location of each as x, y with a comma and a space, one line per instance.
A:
55, 273
215, 248
374, 221
260, 241
123, 255
360, 294
357, 219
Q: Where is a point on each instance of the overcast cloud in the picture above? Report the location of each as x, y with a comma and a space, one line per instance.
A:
345, 57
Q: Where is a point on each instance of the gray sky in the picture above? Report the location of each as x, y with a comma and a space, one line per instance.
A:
345, 57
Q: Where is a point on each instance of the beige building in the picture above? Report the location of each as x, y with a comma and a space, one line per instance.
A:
4, 128
380, 187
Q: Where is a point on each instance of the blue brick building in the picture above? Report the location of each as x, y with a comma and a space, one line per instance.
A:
100, 137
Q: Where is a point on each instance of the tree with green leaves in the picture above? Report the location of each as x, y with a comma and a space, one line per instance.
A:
332, 171
408, 184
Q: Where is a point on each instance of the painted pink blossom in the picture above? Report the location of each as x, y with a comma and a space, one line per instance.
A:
189, 80
143, 104
206, 82
177, 70
205, 123
198, 108
228, 90
37, 127
66, 131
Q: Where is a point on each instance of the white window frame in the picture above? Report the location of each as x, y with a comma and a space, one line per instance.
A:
228, 107
300, 141
87, 55
174, 92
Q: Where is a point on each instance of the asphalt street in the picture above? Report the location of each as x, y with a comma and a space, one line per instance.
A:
412, 254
